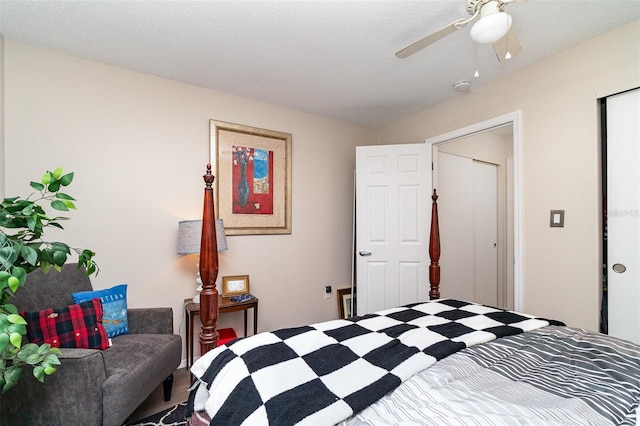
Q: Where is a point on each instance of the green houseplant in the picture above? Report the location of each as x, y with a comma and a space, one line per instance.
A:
22, 250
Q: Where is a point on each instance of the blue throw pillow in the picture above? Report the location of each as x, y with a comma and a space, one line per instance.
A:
114, 307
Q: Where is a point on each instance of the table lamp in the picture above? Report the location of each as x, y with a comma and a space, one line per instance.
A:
189, 234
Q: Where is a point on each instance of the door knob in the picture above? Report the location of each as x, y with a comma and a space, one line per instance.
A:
619, 268
364, 253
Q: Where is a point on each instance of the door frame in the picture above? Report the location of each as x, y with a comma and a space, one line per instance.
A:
515, 120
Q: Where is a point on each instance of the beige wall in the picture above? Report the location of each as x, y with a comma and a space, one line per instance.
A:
139, 144
560, 162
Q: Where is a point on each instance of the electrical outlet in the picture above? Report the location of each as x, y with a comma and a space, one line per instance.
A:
327, 292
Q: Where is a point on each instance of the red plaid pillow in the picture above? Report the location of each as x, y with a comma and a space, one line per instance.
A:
76, 326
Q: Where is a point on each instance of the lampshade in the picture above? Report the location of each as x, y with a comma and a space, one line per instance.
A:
491, 27
190, 232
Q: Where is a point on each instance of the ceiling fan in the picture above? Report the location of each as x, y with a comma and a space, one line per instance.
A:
493, 27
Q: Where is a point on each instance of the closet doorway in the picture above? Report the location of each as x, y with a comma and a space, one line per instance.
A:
477, 175
469, 225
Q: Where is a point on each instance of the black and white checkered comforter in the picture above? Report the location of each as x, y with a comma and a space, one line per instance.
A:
323, 373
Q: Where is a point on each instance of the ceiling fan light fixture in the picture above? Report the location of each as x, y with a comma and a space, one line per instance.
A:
491, 28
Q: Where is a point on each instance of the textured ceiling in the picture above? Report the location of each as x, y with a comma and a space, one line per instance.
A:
332, 58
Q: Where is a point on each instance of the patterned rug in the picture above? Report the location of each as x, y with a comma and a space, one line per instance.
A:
174, 416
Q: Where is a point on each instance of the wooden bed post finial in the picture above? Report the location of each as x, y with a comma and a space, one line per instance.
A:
208, 269
434, 250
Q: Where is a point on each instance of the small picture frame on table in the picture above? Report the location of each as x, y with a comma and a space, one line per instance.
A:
235, 285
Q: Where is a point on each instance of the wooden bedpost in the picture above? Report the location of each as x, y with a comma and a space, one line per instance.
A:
434, 250
208, 269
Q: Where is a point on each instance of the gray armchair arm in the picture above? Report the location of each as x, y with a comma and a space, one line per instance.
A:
79, 378
150, 320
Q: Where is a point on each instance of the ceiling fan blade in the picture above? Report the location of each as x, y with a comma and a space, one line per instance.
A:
507, 44
432, 38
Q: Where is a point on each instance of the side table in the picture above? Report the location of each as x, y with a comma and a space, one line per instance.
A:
225, 305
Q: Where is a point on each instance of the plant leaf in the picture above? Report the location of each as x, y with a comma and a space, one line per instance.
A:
30, 255
13, 283
10, 308
66, 179
6, 253
59, 258
16, 319
69, 204
54, 186
38, 373
51, 359
58, 246
4, 341
37, 186
57, 173
62, 196
16, 339
20, 273
33, 359
11, 376
32, 221
46, 178
59, 205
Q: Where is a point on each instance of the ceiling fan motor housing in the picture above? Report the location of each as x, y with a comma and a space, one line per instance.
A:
472, 5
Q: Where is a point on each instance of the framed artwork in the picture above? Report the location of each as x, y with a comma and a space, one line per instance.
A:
344, 303
235, 285
252, 168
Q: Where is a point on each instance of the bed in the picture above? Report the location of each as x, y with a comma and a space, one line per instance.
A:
437, 362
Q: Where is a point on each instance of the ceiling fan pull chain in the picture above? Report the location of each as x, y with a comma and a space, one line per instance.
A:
508, 54
477, 73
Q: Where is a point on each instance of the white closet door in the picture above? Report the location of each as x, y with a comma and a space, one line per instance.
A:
468, 215
485, 233
623, 207
455, 214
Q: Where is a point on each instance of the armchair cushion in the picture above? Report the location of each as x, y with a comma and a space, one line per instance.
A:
150, 320
76, 326
73, 395
114, 307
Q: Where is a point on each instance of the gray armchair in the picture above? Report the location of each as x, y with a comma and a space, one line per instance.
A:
93, 387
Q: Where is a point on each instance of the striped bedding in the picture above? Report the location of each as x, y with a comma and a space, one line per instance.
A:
554, 375
551, 376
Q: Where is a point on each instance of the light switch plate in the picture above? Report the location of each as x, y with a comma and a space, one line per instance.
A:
556, 219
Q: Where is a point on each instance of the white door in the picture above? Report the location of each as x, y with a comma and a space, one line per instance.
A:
623, 207
455, 215
393, 214
485, 233
467, 207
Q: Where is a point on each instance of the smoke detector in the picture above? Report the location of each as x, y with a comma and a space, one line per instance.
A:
462, 86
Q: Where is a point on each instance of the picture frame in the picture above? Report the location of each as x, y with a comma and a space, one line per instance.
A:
344, 302
252, 168
235, 285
